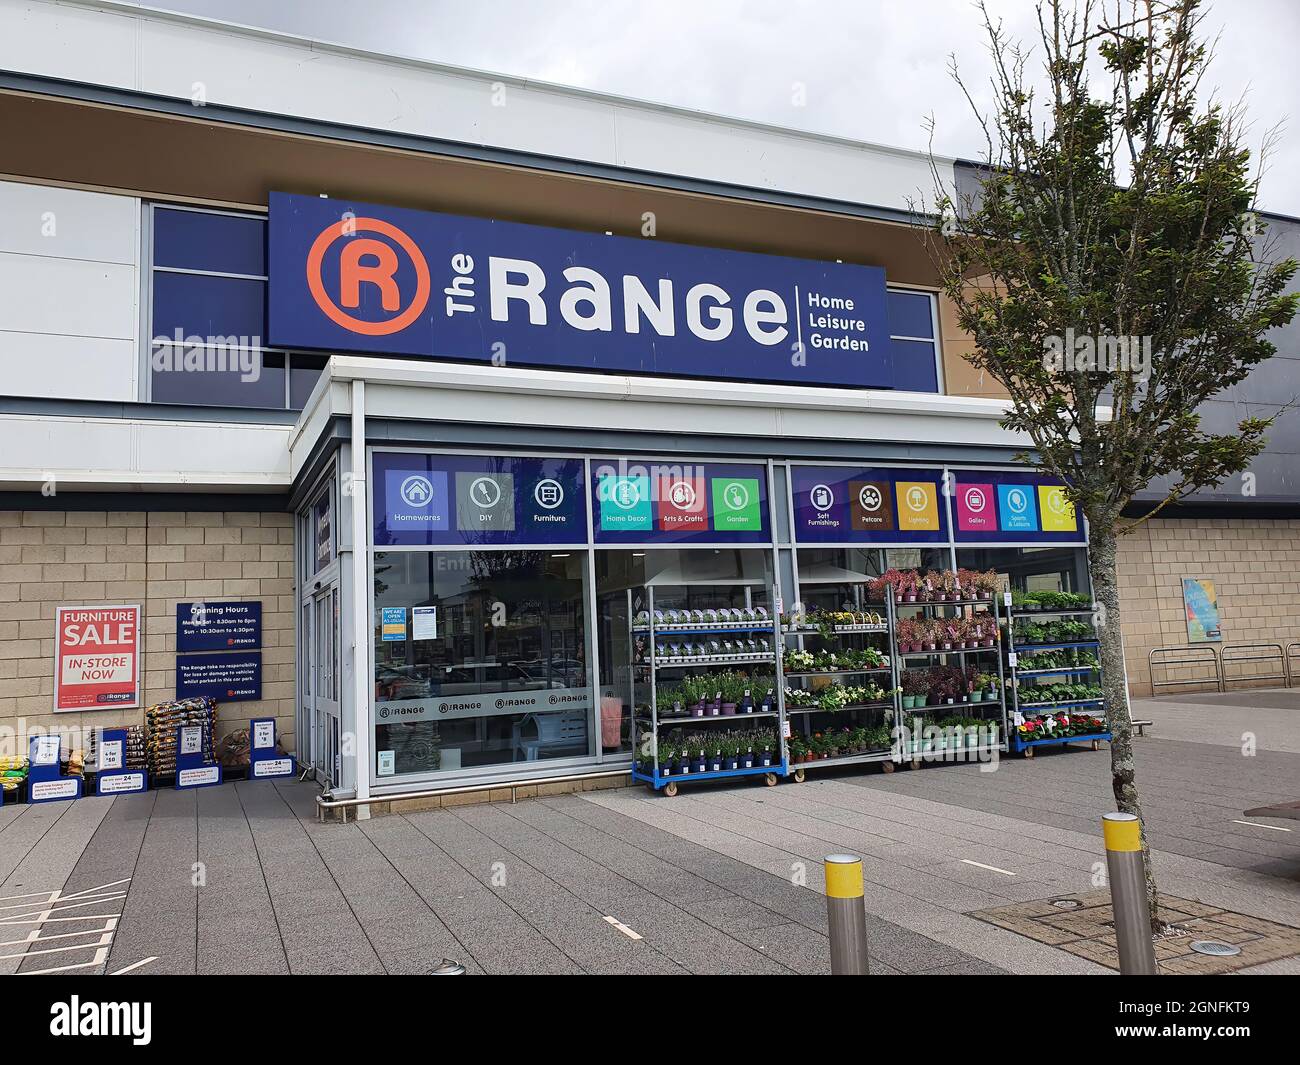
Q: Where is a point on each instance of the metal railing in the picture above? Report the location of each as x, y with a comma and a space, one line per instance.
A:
1238, 653
1194, 654
1293, 660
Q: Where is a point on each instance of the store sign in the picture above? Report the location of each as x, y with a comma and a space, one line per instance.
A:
350, 276
485, 704
218, 626
643, 501
835, 504
224, 677
478, 499
97, 658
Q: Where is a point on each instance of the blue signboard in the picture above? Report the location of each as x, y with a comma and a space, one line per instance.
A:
477, 499
218, 626
843, 505
646, 501
227, 678
347, 276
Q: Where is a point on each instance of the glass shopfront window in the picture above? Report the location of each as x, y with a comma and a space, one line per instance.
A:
480, 659
1032, 569
830, 577
687, 579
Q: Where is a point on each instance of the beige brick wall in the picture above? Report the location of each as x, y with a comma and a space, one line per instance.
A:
1255, 566
55, 558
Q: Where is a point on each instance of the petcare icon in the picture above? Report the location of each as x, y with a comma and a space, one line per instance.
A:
548, 493
416, 491
870, 499
821, 497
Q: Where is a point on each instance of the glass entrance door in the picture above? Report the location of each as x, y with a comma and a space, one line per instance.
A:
321, 709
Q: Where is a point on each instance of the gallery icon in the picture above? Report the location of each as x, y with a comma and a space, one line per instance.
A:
821, 497
417, 491
548, 493
976, 500
485, 492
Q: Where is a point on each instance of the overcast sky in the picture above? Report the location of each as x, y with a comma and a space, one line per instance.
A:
867, 69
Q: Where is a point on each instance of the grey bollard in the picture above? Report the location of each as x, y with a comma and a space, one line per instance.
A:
846, 915
1126, 869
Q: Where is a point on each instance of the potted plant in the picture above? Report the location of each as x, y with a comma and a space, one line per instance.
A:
764, 755
745, 752
667, 755
698, 760
730, 753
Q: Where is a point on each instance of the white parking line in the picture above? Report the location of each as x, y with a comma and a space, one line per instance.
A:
134, 965
1273, 828
622, 927
990, 868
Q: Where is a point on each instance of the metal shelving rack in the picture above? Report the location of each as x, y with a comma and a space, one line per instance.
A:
646, 669
889, 708
1020, 709
991, 607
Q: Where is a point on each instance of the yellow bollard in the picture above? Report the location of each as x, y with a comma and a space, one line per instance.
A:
846, 915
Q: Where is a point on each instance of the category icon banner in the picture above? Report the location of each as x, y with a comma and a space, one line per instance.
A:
97, 658
646, 501
1012, 507
843, 504
477, 499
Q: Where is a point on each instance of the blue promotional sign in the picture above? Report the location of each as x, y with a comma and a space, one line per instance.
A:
477, 499
347, 276
264, 759
193, 770
645, 501
111, 774
218, 626
227, 678
843, 505
45, 779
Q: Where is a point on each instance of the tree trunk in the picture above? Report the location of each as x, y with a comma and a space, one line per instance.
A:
1105, 589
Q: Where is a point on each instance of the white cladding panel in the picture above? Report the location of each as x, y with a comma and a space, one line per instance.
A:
68, 271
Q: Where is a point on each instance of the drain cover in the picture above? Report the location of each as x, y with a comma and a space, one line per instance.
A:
1066, 904
1219, 950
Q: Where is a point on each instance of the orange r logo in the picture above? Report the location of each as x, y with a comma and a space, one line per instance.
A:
365, 260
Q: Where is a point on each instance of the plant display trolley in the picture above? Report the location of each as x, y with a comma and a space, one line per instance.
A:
951, 669
706, 696
1053, 659
842, 695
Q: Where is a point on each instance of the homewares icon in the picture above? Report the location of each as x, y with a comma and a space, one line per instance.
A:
417, 491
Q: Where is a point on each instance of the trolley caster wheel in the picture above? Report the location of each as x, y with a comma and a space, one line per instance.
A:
799, 776
914, 764
769, 779
1029, 752
886, 767
670, 789
1096, 745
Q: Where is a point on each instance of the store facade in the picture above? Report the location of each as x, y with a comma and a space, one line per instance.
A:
233, 319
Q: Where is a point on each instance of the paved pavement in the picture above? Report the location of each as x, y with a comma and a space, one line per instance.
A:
241, 878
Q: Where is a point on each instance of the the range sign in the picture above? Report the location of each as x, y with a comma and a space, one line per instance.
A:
348, 276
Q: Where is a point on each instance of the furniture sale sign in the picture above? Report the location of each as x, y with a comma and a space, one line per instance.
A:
97, 658
348, 276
